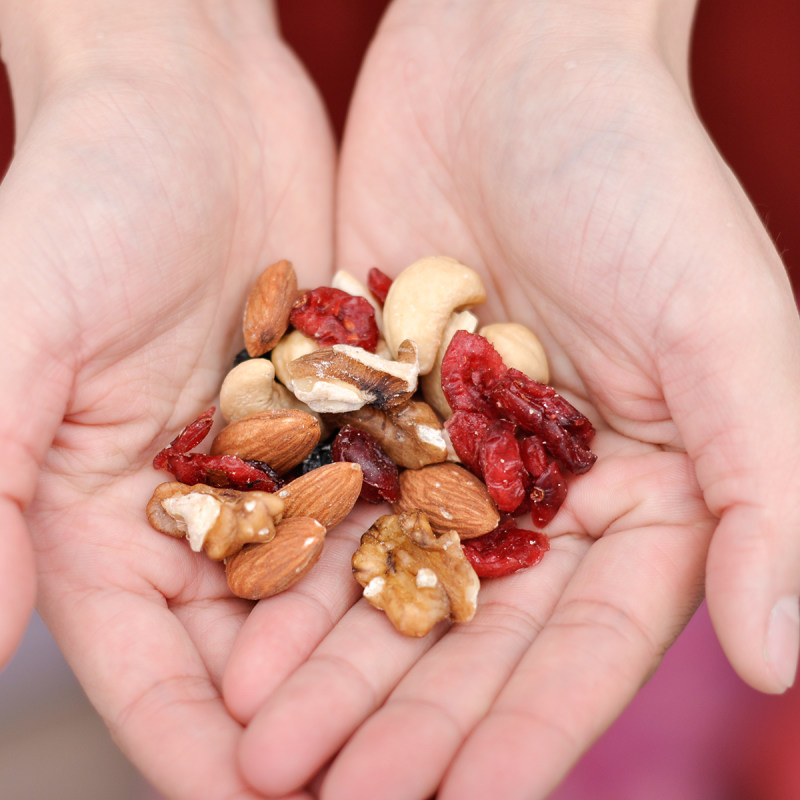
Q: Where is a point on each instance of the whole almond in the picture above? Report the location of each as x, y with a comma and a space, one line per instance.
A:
266, 315
451, 497
263, 570
280, 437
327, 493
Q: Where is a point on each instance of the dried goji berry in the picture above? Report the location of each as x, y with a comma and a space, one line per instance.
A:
332, 316
470, 368
381, 478
466, 429
548, 495
501, 465
378, 283
505, 550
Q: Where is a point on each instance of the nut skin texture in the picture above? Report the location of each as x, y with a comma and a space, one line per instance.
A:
411, 436
451, 497
264, 570
281, 438
327, 493
422, 298
266, 314
519, 347
393, 556
244, 517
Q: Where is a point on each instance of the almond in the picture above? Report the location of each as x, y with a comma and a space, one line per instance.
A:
262, 570
451, 497
327, 493
266, 315
281, 438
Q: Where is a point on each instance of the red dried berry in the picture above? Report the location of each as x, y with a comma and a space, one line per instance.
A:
332, 316
189, 437
222, 472
378, 283
470, 369
381, 478
501, 465
466, 429
548, 495
505, 550
534, 455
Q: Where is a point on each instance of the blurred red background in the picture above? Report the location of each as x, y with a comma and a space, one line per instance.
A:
746, 74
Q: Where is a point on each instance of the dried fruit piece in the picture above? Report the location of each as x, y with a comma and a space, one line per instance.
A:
380, 473
222, 472
501, 465
466, 430
548, 495
470, 369
451, 497
189, 437
266, 315
415, 576
534, 456
332, 316
218, 521
505, 550
263, 570
379, 284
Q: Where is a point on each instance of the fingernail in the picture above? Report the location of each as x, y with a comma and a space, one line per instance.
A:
783, 640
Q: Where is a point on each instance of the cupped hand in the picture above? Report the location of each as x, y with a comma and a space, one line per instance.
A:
554, 147
164, 157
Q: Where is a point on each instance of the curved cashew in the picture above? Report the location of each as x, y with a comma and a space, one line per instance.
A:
422, 298
250, 387
431, 384
519, 347
290, 347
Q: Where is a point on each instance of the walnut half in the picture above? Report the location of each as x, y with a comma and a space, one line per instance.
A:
415, 576
218, 521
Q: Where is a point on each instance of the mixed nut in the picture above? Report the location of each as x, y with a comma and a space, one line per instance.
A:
390, 393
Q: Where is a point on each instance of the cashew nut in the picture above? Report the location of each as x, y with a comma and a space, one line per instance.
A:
290, 347
422, 298
519, 347
250, 387
431, 384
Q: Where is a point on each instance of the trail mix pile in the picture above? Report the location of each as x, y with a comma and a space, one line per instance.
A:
389, 392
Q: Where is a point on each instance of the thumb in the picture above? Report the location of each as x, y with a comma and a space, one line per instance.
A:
735, 400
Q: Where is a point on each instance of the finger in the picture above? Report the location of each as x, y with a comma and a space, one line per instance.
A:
735, 401
433, 709
282, 631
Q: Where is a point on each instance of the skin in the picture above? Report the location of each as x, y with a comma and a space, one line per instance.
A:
553, 147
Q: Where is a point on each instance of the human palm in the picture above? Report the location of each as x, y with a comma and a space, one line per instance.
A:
139, 207
558, 167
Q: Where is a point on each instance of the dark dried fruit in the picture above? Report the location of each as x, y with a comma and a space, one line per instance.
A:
470, 369
501, 466
320, 456
548, 495
507, 549
381, 476
378, 283
332, 316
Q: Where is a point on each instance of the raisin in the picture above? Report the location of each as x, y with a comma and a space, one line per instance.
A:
332, 316
470, 369
547, 496
466, 429
378, 283
381, 477
320, 456
505, 550
501, 465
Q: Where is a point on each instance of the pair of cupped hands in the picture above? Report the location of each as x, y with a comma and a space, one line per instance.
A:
159, 168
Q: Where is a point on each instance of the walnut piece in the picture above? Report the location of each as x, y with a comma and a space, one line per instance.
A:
218, 521
415, 576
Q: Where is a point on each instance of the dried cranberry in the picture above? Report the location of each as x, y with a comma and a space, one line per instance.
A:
470, 368
507, 549
380, 474
378, 283
223, 472
332, 316
501, 465
466, 429
534, 455
189, 437
548, 495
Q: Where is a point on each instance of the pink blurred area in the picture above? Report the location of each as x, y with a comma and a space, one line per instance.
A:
694, 732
